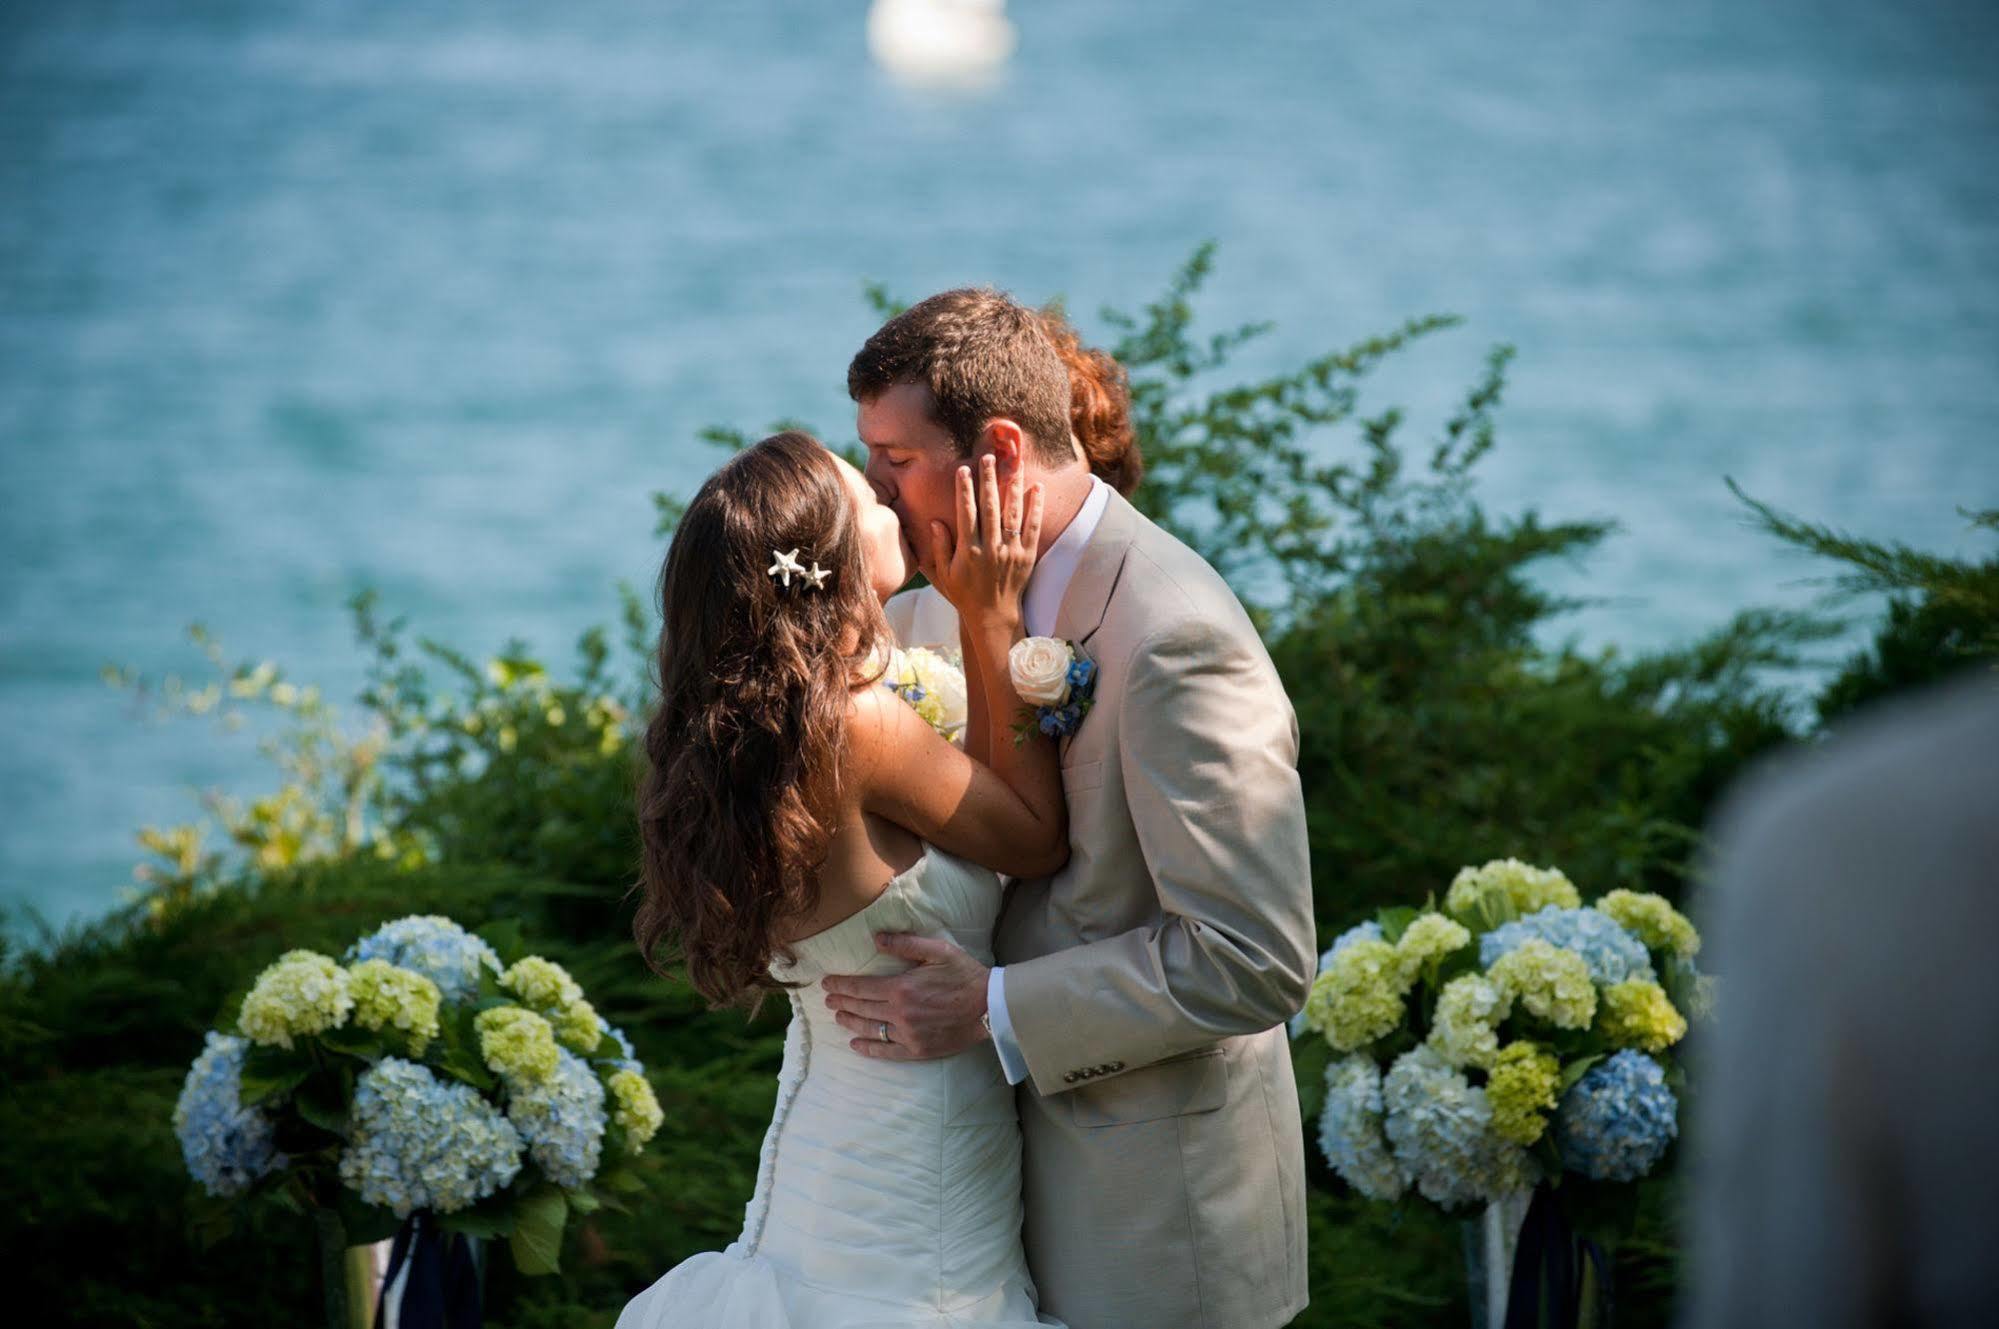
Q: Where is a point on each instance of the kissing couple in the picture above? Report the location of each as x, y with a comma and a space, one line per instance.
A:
1036, 1071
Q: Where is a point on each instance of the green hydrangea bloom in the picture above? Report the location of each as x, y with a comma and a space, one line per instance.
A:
517, 1044
1360, 997
1464, 1028
636, 1109
1521, 1089
1429, 937
1527, 887
1654, 921
1551, 983
579, 1026
387, 994
303, 993
1637, 1014
542, 984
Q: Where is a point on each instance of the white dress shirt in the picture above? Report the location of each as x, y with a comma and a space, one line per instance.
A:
1039, 605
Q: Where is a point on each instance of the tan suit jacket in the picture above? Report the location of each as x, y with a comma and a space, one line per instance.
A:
1148, 982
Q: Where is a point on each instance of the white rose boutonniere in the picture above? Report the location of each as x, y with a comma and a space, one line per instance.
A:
1057, 685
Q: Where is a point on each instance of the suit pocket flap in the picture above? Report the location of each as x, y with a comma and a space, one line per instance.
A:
1176, 1088
1083, 775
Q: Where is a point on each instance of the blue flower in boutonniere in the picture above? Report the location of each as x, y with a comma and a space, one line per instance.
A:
1057, 684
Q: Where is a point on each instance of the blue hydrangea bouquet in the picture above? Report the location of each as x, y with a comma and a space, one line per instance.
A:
424, 1087
1512, 1043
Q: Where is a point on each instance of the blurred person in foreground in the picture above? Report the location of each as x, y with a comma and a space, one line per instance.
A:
1846, 1168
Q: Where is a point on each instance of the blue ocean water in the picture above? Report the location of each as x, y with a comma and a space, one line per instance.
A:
300, 297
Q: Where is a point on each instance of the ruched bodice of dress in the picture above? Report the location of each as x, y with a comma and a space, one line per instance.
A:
888, 1192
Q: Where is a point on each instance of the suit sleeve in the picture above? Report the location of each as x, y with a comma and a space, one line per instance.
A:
1208, 746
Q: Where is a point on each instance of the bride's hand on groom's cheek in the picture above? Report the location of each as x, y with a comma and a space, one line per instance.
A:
930, 1011
982, 561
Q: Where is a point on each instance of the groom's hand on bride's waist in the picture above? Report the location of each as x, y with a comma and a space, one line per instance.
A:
933, 1010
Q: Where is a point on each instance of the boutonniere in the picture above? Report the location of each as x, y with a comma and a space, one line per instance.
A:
1058, 686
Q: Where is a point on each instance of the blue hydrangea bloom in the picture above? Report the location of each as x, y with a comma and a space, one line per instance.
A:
226, 1146
563, 1121
433, 946
1350, 1129
419, 1142
1612, 954
1368, 931
1616, 1122
1440, 1128
1081, 672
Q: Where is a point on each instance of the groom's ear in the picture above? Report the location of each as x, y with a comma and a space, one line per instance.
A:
1008, 444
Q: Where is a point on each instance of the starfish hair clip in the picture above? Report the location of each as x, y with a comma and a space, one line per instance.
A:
787, 566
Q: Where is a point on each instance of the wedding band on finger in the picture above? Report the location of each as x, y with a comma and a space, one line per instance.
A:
881, 1027
1011, 535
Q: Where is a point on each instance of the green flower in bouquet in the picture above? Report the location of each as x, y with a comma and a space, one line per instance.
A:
386, 995
1521, 887
1654, 921
636, 1108
1551, 983
1465, 1026
1522, 1089
579, 1027
1637, 1014
1428, 937
302, 993
517, 1044
542, 984
1360, 997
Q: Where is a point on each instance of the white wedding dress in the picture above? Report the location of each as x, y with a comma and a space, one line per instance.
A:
888, 1192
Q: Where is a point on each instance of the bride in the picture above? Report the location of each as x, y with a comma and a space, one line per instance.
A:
794, 808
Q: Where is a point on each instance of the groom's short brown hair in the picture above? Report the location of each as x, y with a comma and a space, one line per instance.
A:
982, 356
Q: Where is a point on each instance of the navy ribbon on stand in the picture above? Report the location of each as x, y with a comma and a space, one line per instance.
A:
442, 1291
1547, 1284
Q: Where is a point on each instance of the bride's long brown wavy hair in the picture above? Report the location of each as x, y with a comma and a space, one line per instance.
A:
755, 680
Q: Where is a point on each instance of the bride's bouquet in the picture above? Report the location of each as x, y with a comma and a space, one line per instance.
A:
932, 681
421, 1075
1487, 1048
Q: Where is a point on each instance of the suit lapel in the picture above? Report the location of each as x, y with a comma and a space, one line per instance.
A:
1096, 577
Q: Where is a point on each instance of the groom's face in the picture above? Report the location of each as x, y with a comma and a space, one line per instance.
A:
912, 460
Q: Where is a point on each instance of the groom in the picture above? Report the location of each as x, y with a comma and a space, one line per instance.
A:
1143, 989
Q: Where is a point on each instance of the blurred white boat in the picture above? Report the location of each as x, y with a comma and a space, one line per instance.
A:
940, 41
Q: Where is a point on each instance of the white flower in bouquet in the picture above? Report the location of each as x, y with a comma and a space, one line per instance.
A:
933, 683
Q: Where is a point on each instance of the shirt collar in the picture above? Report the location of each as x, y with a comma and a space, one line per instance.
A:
1052, 573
